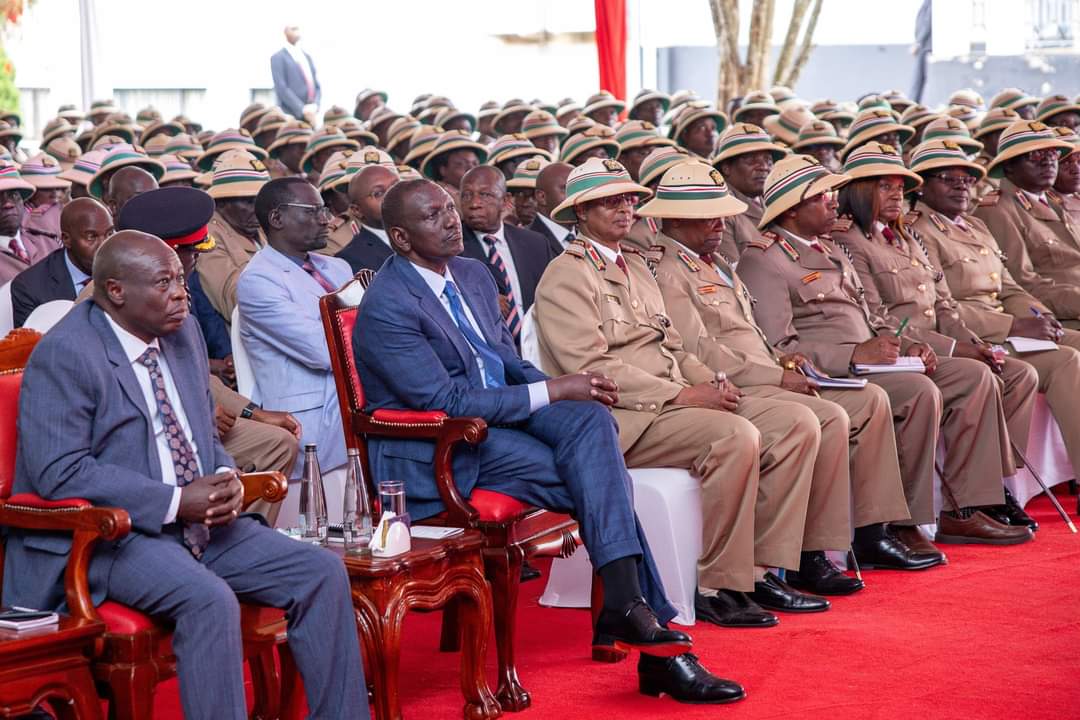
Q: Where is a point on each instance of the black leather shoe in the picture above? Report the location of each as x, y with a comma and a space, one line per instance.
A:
684, 679
528, 572
887, 552
731, 608
773, 593
1016, 514
818, 575
637, 627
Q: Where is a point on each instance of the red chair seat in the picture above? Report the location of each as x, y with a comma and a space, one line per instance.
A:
389, 415
123, 620
496, 507
33, 501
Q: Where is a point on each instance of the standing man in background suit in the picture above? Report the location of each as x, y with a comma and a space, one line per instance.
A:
295, 83
278, 295
84, 225
515, 256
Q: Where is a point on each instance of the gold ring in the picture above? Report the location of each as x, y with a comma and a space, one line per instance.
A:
790, 364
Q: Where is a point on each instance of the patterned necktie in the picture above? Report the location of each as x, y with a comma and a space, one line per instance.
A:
310, 269
889, 236
513, 317
18, 250
622, 265
196, 535
494, 370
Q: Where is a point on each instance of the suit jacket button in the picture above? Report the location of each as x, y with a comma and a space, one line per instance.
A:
821, 296
637, 406
994, 275
652, 406
928, 312
984, 251
633, 303
914, 263
922, 287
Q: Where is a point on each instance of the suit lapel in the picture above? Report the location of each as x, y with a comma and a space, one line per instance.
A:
434, 309
60, 276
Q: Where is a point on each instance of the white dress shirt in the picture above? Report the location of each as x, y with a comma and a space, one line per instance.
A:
507, 258
609, 254
79, 279
6, 242
561, 233
538, 393
133, 349
379, 233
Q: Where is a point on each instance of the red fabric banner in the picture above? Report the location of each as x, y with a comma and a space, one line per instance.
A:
611, 45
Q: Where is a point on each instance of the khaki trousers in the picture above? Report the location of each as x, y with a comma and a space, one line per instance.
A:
1059, 379
262, 448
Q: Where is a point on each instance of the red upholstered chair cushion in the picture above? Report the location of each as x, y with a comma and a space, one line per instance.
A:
33, 501
408, 416
9, 413
122, 620
496, 507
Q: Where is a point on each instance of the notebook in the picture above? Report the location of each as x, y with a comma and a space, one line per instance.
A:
902, 364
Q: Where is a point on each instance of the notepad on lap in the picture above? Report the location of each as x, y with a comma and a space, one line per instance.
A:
902, 364
1029, 345
825, 381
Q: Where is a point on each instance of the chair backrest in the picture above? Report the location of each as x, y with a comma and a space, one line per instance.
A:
245, 376
15, 350
7, 313
338, 311
44, 316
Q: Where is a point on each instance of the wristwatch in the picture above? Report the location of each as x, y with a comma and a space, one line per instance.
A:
249, 410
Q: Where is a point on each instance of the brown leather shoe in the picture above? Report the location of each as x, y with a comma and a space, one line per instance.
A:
979, 528
913, 537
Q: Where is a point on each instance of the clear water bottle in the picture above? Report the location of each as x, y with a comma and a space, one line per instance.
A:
313, 520
357, 515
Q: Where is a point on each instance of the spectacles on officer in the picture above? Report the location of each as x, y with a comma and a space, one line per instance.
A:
954, 181
315, 212
614, 202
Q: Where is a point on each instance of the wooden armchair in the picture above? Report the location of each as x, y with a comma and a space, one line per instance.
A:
513, 531
135, 653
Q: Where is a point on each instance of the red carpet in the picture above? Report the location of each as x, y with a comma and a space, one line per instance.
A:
994, 634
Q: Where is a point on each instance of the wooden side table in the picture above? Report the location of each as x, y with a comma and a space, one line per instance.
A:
50, 664
426, 578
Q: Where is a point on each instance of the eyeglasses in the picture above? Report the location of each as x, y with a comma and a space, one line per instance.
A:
318, 212
890, 187
828, 197
614, 202
1040, 157
955, 181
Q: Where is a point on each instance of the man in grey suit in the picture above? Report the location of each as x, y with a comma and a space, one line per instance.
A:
127, 421
295, 82
278, 296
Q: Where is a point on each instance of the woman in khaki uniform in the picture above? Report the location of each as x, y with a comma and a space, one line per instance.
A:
991, 304
908, 293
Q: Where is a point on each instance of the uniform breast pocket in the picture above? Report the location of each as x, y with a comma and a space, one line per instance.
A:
890, 283
615, 319
719, 306
1047, 251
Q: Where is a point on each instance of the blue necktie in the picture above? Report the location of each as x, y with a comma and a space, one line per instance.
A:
494, 372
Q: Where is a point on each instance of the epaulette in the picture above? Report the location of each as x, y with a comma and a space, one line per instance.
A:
784, 245
843, 224
651, 222
990, 199
938, 222
576, 247
764, 241
1053, 197
335, 223
912, 217
688, 261
652, 256
1022, 200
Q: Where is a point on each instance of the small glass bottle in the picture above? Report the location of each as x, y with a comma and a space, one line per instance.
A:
313, 520
357, 515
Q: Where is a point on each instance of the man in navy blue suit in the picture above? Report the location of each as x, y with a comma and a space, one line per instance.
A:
430, 335
295, 82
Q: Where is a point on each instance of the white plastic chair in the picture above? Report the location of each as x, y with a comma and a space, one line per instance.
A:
44, 316
7, 313
245, 376
668, 505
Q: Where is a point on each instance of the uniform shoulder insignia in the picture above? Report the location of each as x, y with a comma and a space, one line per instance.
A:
688, 261
764, 240
1022, 200
653, 227
843, 224
938, 222
788, 249
336, 222
575, 247
1053, 197
912, 217
990, 199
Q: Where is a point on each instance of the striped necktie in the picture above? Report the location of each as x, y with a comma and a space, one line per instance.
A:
513, 315
494, 369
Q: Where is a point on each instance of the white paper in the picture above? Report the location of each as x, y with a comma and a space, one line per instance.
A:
434, 532
826, 381
903, 364
51, 619
1027, 345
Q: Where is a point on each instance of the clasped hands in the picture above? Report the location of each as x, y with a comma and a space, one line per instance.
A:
212, 499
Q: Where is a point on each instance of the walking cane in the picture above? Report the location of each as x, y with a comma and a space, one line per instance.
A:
1034, 473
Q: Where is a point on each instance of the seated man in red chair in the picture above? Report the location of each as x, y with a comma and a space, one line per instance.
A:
429, 336
115, 409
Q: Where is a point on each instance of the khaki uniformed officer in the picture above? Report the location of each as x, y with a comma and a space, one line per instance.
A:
903, 286
989, 301
745, 156
238, 177
810, 300
1042, 247
598, 308
711, 309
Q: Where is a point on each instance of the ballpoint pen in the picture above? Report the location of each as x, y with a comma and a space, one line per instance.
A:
903, 324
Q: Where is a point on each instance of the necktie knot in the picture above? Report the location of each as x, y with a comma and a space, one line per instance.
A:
889, 235
621, 263
149, 357
707, 258
309, 267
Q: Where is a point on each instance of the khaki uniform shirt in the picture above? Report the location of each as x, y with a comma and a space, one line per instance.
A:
342, 229
1041, 246
988, 185
742, 229
643, 233
901, 282
219, 269
713, 312
592, 316
987, 296
807, 301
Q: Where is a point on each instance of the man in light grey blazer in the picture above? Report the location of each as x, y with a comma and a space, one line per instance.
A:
115, 408
278, 296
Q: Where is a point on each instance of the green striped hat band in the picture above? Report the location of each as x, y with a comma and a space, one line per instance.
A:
857, 160
591, 180
229, 138
927, 154
1008, 100
946, 134
691, 192
793, 182
738, 140
9, 172
227, 177
317, 143
1024, 137
1052, 108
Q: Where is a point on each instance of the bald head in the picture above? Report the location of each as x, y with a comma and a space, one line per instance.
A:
485, 174
126, 183
84, 225
139, 282
367, 188
551, 187
483, 194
